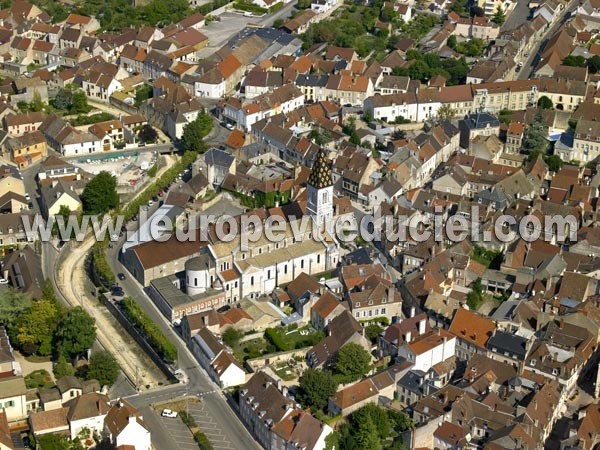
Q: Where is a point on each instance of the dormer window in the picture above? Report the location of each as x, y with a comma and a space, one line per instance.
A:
357, 305
532, 363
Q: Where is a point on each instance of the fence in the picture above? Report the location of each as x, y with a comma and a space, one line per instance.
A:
137, 336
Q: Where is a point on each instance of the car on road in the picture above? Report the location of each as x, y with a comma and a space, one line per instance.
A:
169, 413
114, 237
121, 276
150, 204
229, 126
27, 196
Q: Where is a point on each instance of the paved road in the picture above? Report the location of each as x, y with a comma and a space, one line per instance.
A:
215, 404
529, 65
518, 16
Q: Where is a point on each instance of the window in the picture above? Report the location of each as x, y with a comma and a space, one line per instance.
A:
252, 281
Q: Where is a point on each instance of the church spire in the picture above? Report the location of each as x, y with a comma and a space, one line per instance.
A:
320, 175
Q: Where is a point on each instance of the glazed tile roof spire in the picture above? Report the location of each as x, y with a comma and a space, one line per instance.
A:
320, 175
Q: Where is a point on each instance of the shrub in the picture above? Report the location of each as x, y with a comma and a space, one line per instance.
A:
203, 441
275, 338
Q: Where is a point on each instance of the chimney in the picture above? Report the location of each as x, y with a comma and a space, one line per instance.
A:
407, 336
132, 418
412, 311
422, 326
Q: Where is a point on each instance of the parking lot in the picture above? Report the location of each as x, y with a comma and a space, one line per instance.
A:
180, 433
209, 427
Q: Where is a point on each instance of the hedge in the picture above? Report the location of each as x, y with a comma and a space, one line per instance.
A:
275, 338
103, 273
141, 320
152, 171
202, 441
250, 8
165, 179
276, 7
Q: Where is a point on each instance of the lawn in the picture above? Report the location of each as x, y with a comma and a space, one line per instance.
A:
290, 338
252, 349
285, 371
39, 379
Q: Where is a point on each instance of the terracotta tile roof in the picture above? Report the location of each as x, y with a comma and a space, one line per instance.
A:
236, 139
74, 19
326, 305
49, 420
118, 416
471, 327
354, 394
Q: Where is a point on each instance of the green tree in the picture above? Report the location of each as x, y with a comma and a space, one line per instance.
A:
23, 106
62, 99
76, 332
388, 15
142, 93
148, 134
446, 112
554, 162
79, 103
231, 336
316, 386
278, 22
103, 367
48, 292
593, 64
12, 304
34, 329
57, 442
36, 104
373, 330
100, 194
366, 436
194, 133
475, 297
499, 16
63, 368
575, 61
545, 103
352, 362
452, 41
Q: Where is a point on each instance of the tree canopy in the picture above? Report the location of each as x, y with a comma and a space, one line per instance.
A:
34, 330
427, 65
352, 362
12, 304
545, 103
148, 134
371, 427
195, 132
76, 332
100, 194
316, 386
103, 367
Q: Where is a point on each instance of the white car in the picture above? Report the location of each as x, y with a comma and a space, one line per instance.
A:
27, 196
229, 126
169, 413
3, 281
114, 237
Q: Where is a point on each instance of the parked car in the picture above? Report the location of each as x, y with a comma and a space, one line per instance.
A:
27, 196
3, 281
169, 413
121, 276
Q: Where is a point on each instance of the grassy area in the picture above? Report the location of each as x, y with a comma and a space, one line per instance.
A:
489, 258
39, 379
285, 371
290, 337
252, 349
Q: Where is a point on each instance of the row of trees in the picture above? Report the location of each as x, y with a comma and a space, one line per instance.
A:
427, 65
155, 336
593, 63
